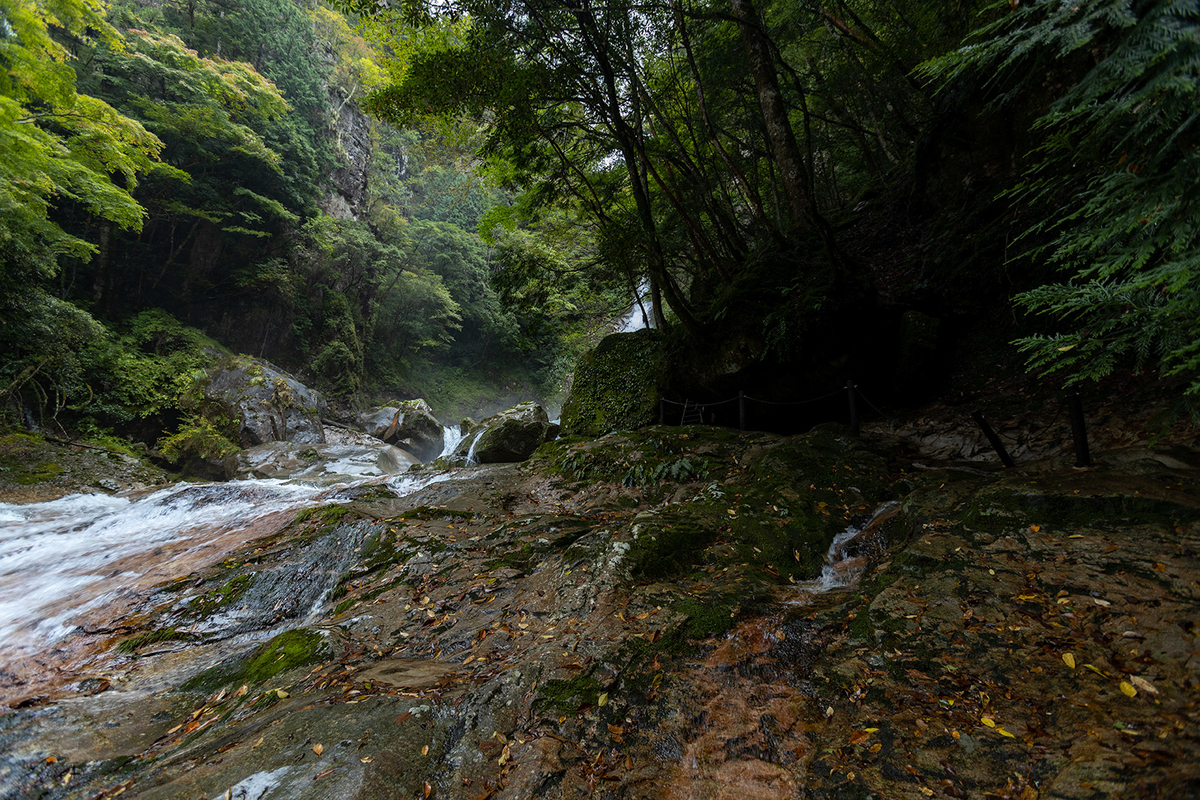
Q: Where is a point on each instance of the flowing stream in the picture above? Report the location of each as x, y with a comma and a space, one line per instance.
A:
80, 561
848, 556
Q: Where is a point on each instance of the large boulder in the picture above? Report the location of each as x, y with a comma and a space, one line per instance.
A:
262, 403
511, 435
409, 424
321, 463
616, 386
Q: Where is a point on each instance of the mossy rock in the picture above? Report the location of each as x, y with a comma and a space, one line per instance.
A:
287, 651
616, 386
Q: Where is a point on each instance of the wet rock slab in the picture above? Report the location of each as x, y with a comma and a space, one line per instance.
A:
628, 618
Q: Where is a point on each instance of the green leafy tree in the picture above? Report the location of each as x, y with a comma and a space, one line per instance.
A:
56, 144
1116, 176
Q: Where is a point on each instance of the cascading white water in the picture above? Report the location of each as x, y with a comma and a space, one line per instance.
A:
471, 450
840, 571
451, 436
64, 559
636, 318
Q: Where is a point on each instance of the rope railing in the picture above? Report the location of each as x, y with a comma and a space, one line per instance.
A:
1074, 409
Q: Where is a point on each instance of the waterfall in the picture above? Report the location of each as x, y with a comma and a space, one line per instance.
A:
634, 319
471, 451
451, 436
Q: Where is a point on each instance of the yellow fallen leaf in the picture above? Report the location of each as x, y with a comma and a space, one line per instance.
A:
602, 700
1035, 528
425, 750
367, 759
1069, 660
318, 748
991, 723
1096, 670
871, 730
1003, 732
281, 694
256, 744
51, 760
505, 755
1128, 689
875, 748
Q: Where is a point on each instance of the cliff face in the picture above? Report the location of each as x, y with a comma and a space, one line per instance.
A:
345, 191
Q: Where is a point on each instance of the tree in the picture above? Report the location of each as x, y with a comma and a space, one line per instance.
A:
57, 144
1116, 175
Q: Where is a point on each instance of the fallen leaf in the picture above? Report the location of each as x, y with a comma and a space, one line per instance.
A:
367, 759
991, 723
1143, 684
859, 736
425, 785
1127, 689
1069, 660
425, 750
875, 748
616, 729
602, 700
51, 760
282, 694
1035, 528
323, 773
1003, 732
1096, 670
505, 755
256, 744
318, 748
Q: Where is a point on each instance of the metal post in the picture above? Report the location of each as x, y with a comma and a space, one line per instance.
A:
853, 396
1083, 457
741, 411
993, 439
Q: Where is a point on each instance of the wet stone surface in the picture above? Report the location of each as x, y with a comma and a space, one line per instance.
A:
637, 617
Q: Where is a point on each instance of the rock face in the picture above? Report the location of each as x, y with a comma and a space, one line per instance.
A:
509, 436
263, 403
616, 386
410, 425
323, 463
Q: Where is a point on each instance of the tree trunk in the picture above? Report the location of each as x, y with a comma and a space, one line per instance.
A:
100, 279
792, 171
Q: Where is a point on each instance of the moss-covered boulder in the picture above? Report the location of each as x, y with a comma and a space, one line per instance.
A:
616, 386
509, 436
409, 424
263, 403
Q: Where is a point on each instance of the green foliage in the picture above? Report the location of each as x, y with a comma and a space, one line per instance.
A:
198, 437
57, 144
1115, 174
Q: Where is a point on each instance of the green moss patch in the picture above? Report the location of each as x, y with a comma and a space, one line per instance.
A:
616, 385
287, 651
568, 696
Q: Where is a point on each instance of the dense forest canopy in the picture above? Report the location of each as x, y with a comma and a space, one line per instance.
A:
174, 175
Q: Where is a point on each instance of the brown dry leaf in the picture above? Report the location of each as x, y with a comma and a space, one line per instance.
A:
245, 688
367, 759
318, 748
1035, 528
51, 760
323, 773
505, 755
256, 744
1143, 684
628, 762
425, 785
616, 730
859, 736
875, 748
402, 717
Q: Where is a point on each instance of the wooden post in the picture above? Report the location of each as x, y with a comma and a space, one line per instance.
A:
662, 411
853, 397
1083, 457
993, 439
741, 410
